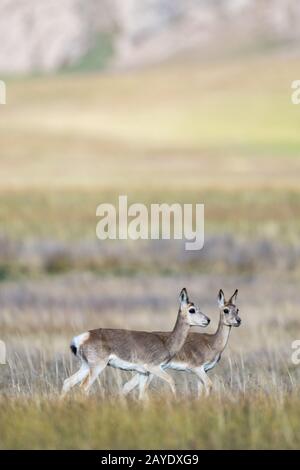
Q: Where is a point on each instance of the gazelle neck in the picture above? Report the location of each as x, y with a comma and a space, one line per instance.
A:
178, 336
221, 336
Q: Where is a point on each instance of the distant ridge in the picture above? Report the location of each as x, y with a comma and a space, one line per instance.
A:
47, 36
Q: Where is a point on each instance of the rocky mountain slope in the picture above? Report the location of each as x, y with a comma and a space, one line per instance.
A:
48, 35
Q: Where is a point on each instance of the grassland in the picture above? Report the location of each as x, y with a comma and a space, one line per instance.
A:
223, 133
169, 127
252, 88
255, 399
41, 214
253, 422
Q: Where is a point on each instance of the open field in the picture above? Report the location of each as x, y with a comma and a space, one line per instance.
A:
220, 133
260, 213
178, 126
255, 398
253, 421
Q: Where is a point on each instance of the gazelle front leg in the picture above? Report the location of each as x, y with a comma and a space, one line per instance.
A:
70, 382
159, 372
205, 380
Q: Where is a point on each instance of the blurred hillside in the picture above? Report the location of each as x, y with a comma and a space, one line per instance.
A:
89, 34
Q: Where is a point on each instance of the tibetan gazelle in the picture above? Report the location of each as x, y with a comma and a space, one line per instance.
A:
201, 351
139, 351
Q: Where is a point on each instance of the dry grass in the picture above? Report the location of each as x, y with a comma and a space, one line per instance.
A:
254, 403
250, 408
255, 421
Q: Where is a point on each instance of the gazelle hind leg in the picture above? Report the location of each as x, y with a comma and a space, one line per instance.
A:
70, 382
203, 377
140, 380
144, 382
92, 376
131, 384
159, 372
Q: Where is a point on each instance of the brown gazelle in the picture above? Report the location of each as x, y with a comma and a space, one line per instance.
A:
201, 351
139, 351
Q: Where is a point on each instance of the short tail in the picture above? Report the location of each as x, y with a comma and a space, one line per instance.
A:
73, 348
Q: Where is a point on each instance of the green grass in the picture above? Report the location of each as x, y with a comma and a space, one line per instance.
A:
241, 106
220, 133
43, 214
252, 422
223, 133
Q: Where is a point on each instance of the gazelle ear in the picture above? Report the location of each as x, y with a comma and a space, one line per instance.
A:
183, 297
221, 299
233, 297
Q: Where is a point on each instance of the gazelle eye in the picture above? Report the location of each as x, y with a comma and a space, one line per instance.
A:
226, 310
192, 310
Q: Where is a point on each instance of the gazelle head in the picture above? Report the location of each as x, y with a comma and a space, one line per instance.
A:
190, 312
228, 309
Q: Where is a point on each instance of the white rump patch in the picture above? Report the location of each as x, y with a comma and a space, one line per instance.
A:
80, 339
